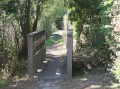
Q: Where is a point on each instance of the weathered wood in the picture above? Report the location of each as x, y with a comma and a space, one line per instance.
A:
36, 51
30, 55
40, 40
35, 32
69, 52
39, 57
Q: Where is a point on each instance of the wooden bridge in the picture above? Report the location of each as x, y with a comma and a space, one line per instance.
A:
38, 63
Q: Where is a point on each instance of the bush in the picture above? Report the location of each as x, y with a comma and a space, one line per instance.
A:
4, 82
59, 23
116, 68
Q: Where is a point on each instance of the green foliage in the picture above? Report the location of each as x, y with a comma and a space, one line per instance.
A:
21, 66
13, 32
115, 46
52, 11
54, 39
50, 42
17, 19
59, 23
10, 6
4, 82
93, 38
116, 68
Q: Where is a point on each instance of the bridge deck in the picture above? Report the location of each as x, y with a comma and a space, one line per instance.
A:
55, 64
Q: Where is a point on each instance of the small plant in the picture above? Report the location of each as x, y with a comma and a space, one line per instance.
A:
55, 39
20, 68
49, 42
116, 68
4, 82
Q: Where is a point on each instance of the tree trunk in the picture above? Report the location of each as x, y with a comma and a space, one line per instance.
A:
27, 16
37, 15
25, 25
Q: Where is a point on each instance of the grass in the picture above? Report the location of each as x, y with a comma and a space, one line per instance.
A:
60, 42
50, 42
55, 39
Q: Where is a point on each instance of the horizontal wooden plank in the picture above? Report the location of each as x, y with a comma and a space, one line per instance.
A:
39, 57
35, 32
40, 40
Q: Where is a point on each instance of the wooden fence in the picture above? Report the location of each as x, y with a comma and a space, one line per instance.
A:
36, 51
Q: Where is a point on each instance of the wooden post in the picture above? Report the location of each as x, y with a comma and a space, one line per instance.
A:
69, 52
30, 55
35, 58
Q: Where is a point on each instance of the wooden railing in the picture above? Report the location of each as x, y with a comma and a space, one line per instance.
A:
36, 51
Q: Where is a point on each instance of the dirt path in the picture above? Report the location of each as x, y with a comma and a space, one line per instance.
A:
98, 80
88, 81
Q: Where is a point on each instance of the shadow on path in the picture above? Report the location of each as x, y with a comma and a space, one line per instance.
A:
54, 66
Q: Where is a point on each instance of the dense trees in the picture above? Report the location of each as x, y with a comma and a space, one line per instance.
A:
96, 44
21, 12
91, 32
17, 19
92, 20
52, 12
116, 33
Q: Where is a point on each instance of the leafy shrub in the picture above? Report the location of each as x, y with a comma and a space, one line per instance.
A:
4, 82
116, 68
20, 68
93, 37
59, 23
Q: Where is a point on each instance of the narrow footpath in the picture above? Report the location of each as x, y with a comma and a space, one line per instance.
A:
56, 76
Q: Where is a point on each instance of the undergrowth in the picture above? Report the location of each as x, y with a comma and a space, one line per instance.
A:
55, 39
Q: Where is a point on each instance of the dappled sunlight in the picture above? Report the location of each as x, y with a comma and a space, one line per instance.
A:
35, 76
94, 81
54, 50
94, 87
57, 38
42, 41
58, 72
39, 70
45, 61
83, 79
